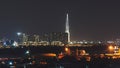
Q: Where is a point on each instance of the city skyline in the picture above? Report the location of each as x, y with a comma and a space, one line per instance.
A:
89, 20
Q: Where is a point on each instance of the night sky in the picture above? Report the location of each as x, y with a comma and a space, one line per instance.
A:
89, 20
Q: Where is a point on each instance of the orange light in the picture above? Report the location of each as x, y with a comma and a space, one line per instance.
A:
111, 47
49, 54
66, 49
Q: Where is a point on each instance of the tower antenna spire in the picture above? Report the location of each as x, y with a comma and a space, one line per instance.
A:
67, 27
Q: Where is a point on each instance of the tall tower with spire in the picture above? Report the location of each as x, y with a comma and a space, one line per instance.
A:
67, 28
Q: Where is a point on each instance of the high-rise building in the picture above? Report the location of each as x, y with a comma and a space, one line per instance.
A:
55, 37
26, 40
22, 38
118, 42
33, 39
67, 28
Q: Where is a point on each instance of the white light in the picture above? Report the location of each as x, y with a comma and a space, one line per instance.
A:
85, 42
15, 44
3, 62
27, 52
4, 43
71, 42
81, 42
19, 33
10, 63
99, 42
91, 42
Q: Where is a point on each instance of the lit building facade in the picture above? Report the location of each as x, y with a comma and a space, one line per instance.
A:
22, 38
33, 39
55, 38
118, 42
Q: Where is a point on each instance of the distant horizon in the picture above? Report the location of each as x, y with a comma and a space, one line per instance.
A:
90, 20
41, 34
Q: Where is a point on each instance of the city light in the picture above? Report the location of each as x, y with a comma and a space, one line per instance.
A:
19, 33
4, 43
66, 49
111, 49
34, 34
27, 52
10, 63
15, 44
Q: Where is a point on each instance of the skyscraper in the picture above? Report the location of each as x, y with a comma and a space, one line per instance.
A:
67, 28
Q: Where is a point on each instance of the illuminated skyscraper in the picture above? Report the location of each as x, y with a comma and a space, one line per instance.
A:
67, 28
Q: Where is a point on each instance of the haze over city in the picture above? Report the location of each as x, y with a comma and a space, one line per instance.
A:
89, 20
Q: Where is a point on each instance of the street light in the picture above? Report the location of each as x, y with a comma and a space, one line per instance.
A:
111, 48
66, 49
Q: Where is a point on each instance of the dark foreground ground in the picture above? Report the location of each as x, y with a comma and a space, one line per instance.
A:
45, 62
66, 62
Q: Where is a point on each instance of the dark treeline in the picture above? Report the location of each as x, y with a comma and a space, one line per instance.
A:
20, 51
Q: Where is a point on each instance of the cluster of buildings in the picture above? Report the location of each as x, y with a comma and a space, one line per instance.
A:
54, 38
